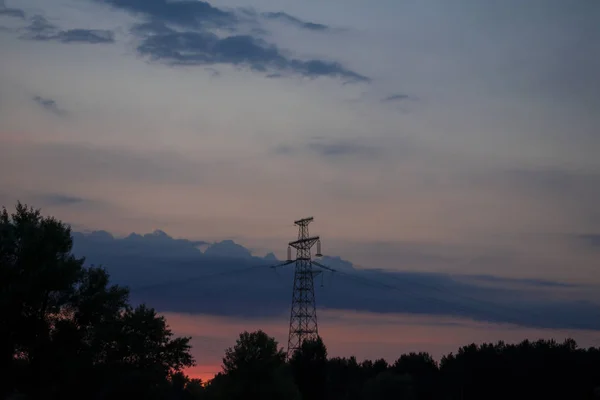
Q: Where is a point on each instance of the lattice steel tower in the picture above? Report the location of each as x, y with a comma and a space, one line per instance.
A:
303, 316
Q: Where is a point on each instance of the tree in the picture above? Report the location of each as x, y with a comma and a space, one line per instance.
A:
389, 386
254, 368
194, 389
424, 371
65, 330
345, 378
254, 353
309, 367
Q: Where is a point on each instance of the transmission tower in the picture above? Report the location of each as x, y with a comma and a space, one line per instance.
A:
303, 315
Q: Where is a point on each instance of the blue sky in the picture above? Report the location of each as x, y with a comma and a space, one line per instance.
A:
424, 136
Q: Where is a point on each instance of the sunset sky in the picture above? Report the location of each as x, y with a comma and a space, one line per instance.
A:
453, 138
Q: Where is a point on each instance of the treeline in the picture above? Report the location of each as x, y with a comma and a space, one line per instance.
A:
66, 332
254, 368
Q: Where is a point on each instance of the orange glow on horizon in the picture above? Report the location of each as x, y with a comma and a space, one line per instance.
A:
363, 335
203, 372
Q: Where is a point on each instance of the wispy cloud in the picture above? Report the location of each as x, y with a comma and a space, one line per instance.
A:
182, 33
590, 239
281, 16
396, 97
161, 43
60, 199
11, 12
49, 105
333, 149
185, 13
343, 148
41, 29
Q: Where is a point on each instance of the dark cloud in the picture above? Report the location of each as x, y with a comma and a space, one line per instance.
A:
49, 105
11, 12
162, 40
174, 275
85, 36
161, 43
41, 29
295, 21
189, 13
156, 245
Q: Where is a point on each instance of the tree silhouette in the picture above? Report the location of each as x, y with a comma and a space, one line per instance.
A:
309, 367
66, 330
389, 386
424, 371
254, 368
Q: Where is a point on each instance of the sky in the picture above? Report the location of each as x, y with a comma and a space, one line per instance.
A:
425, 137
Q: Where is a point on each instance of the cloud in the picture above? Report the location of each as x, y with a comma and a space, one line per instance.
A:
396, 97
188, 13
520, 282
162, 43
295, 21
174, 275
11, 12
163, 40
343, 148
41, 29
49, 105
590, 239
85, 36
39, 25
60, 199
200, 14
332, 149
155, 245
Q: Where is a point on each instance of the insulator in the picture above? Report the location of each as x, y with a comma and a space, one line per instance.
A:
319, 249
289, 253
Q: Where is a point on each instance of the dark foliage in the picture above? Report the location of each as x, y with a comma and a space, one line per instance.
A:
254, 368
309, 367
65, 331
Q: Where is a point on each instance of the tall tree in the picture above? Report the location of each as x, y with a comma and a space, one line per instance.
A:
254, 368
65, 330
309, 367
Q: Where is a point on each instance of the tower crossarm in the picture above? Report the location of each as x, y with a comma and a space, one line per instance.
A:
304, 243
